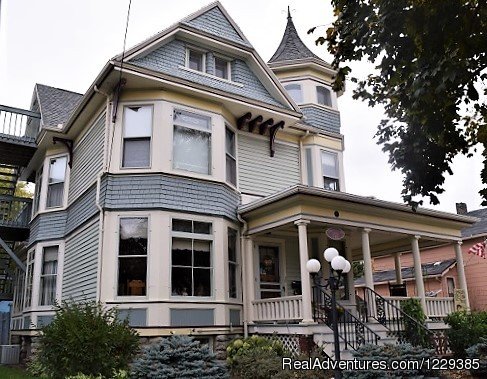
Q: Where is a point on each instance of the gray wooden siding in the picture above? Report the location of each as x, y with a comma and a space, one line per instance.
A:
168, 59
158, 191
215, 22
81, 264
82, 209
259, 173
87, 159
324, 119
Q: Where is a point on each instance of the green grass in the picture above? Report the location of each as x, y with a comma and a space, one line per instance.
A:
14, 373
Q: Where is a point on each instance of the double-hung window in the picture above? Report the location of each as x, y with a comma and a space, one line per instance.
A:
48, 283
137, 134
191, 258
231, 161
29, 278
329, 165
192, 142
37, 193
222, 68
232, 263
324, 96
295, 92
195, 60
132, 256
55, 185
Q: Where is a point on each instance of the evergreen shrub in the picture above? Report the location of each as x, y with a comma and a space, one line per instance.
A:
412, 333
177, 357
479, 351
466, 329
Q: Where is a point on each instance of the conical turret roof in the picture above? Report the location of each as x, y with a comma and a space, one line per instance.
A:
291, 46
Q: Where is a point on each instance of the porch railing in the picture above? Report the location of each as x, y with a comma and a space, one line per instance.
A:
436, 307
19, 122
15, 211
278, 309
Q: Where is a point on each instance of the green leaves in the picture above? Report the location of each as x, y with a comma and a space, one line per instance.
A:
430, 58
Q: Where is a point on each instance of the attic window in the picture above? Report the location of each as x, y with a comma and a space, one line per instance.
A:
196, 60
222, 68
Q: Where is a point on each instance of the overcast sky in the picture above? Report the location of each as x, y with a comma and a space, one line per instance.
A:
66, 43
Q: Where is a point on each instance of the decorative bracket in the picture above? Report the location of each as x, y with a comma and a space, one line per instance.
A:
244, 120
272, 135
264, 125
69, 144
254, 122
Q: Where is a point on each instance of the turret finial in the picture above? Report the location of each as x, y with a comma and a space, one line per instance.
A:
288, 12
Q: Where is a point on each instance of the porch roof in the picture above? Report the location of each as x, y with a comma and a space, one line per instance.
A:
344, 209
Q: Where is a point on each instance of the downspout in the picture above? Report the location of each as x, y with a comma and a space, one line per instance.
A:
245, 295
301, 153
100, 174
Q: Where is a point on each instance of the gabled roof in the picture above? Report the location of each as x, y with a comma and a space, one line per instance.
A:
292, 47
480, 227
428, 269
55, 104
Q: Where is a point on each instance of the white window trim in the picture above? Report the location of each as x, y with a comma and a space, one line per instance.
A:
229, 66
203, 63
38, 190
322, 174
235, 157
206, 237
187, 173
45, 181
128, 298
238, 264
330, 90
122, 145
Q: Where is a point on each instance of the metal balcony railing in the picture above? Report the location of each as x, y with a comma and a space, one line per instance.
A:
15, 211
19, 122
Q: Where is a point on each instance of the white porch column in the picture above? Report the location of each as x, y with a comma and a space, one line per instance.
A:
397, 266
350, 283
418, 273
307, 312
249, 278
462, 279
369, 276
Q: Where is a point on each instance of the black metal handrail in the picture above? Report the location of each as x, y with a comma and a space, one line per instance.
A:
351, 330
15, 211
19, 122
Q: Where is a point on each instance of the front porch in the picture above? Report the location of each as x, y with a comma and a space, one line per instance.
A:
282, 232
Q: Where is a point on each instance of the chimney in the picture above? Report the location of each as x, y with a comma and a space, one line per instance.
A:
461, 208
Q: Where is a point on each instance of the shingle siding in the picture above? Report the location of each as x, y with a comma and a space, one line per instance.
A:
215, 22
166, 192
169, 58
81, 263
323, 119
87, 159
259, 173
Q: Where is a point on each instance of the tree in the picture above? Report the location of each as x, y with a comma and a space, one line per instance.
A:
430, 59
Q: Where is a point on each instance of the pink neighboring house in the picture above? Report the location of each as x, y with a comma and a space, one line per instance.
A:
439, 267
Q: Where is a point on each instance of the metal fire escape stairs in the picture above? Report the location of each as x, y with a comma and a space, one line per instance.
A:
18, 129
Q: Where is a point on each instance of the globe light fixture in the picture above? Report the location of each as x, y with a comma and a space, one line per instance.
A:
338, 263
313, 266
330, 253
347, 268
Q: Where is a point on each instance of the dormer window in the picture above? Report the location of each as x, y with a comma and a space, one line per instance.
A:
324, 96
222, 68
196, 60
295, 92
329, 166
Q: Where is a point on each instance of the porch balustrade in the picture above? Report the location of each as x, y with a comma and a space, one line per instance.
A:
277, 309
19, 122
436, 307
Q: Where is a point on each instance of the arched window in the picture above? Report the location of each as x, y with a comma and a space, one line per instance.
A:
324, 96
295, 91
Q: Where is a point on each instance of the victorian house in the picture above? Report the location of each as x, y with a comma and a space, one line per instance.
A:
190, 185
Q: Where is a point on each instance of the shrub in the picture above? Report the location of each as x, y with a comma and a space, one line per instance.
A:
85, 338
402, 352
177, 357
479, 351
412, 334
466, 329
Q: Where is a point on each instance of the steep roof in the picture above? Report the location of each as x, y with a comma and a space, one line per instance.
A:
291, 46
428, 269
480, 227
55, 104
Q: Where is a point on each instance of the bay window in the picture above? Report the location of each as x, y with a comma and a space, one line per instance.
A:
232, 263
48, 282
231, 162
132, 256
29, 279
137, 122
55, 185
191, 261
324, 96
192, 142
295, 92
329, 165
37, 191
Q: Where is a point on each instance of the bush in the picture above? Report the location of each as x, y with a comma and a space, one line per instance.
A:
412, 334
479, 351
389, 353
84, 338
177, 357
466, 329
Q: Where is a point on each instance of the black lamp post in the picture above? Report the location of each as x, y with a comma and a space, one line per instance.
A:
338, 266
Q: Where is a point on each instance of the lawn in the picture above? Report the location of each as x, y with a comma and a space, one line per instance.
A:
13, 373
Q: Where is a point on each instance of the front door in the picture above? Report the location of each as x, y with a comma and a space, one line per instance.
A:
269, 266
